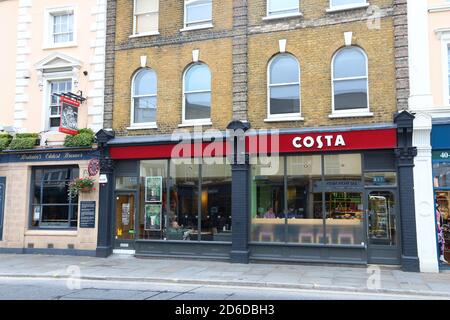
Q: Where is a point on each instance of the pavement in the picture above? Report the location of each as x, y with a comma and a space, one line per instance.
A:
127, 268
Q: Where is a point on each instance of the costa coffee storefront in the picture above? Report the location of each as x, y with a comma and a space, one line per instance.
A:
328, 195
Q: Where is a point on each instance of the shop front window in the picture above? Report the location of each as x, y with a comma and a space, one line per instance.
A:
268, 202
216, 202
153, 218
304, 203
343, 199
441, 173
51, 206
309, 200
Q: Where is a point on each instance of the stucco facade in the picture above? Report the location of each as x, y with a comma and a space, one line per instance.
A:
52, 46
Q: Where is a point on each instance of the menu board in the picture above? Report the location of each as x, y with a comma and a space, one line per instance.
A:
87, 214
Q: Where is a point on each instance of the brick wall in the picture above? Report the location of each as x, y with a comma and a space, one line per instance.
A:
237, 50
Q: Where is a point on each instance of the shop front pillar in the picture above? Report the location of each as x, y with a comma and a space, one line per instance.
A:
405, 154
240, 209
106, 186
240, 166
423, 194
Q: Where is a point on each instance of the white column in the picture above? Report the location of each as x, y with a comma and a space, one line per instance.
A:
419, 56
423, 193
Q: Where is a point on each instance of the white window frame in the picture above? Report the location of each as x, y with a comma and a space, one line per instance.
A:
49, 13
194, 122
149, 33
296, 116
347, 6
142, 125
350, 112
200, 24
270, 16
57, 76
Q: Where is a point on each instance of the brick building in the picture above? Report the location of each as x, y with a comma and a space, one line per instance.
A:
314, 86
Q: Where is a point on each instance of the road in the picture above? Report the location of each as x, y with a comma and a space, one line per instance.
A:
68, 289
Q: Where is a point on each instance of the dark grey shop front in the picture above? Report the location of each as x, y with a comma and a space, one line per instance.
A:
334, 206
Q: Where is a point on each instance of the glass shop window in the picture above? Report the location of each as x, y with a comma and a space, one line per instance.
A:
268, 201
441, 174
51, 206
304, 202
152, 220
344, 205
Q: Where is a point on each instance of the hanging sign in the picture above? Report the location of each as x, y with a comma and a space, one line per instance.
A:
69, 115
93, 167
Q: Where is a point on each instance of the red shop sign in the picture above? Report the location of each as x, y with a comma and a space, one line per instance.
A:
283, 143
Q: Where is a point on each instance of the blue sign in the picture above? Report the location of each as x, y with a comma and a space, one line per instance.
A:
440, 136
379, 179
39, 156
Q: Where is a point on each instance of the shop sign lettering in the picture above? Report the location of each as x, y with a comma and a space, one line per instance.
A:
319, 142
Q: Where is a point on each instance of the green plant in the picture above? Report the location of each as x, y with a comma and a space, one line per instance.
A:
22, 143
84, 138
80, 184
5, 140
27, 135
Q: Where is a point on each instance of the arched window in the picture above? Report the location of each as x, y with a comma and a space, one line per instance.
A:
283, 86
144, 100
197, 94
350, 81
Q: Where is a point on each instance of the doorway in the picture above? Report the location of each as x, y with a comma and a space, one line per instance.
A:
382, 226
125, 229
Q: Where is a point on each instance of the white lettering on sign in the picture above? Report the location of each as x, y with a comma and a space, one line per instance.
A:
320, 141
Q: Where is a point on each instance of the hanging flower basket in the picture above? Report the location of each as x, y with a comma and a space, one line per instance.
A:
84, 185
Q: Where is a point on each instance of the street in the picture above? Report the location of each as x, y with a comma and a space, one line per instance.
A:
70, 289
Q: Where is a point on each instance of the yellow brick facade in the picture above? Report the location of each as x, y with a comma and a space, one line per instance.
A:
171, 52
314, 48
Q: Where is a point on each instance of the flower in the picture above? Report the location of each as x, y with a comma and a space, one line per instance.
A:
78, 184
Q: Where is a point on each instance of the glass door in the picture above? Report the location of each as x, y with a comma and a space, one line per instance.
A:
382, 227
125, 220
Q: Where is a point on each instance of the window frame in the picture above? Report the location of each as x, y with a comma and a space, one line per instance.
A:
70, 204
361, 112
49, 105
296, 116
199, 24
193, 122
63, 76
49, 14
142, 125
276, 15
148, 33
347, 6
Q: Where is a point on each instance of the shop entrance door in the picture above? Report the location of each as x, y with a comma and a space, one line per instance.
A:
2, 203
382, 226
125, 206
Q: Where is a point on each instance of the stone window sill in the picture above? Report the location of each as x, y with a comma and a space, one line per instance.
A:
285, 119
350, 115
348, 7
283, 16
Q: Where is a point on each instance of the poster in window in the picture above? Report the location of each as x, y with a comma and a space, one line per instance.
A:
153, 189
69, 116
125, 214
152, 217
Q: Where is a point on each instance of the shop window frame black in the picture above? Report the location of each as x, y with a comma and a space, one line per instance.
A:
167, 189
361, 190
74, 173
